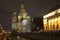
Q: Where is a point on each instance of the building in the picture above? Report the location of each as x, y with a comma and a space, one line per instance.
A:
21, 22
52, 21
38, 22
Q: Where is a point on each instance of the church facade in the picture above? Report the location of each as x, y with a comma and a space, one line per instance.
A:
21, 22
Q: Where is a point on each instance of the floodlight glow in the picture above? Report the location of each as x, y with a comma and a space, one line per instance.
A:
19, 17
25, 22
50, 14
58, 11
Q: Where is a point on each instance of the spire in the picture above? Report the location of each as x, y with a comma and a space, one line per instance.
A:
23, 7
23, 10
14, 13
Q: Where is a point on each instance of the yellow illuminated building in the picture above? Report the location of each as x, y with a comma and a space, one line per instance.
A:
51, 21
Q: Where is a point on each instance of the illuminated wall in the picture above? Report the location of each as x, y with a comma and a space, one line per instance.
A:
52, 21
45, 24
59, 23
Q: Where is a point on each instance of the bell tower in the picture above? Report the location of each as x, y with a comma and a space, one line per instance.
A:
14, 21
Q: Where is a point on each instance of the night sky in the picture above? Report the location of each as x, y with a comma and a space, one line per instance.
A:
35, 8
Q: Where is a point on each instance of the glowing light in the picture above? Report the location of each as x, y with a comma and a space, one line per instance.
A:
45, 21
25, 22
58, 11
52, 20
56, 19
37, 27
18, 37
50, 14
24, 15
19, 17
28, 17
14, 13
45, 24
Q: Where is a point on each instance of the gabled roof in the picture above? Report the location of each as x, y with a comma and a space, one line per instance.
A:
53, 9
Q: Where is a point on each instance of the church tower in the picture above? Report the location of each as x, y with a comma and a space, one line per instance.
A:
14, 21
23, 12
